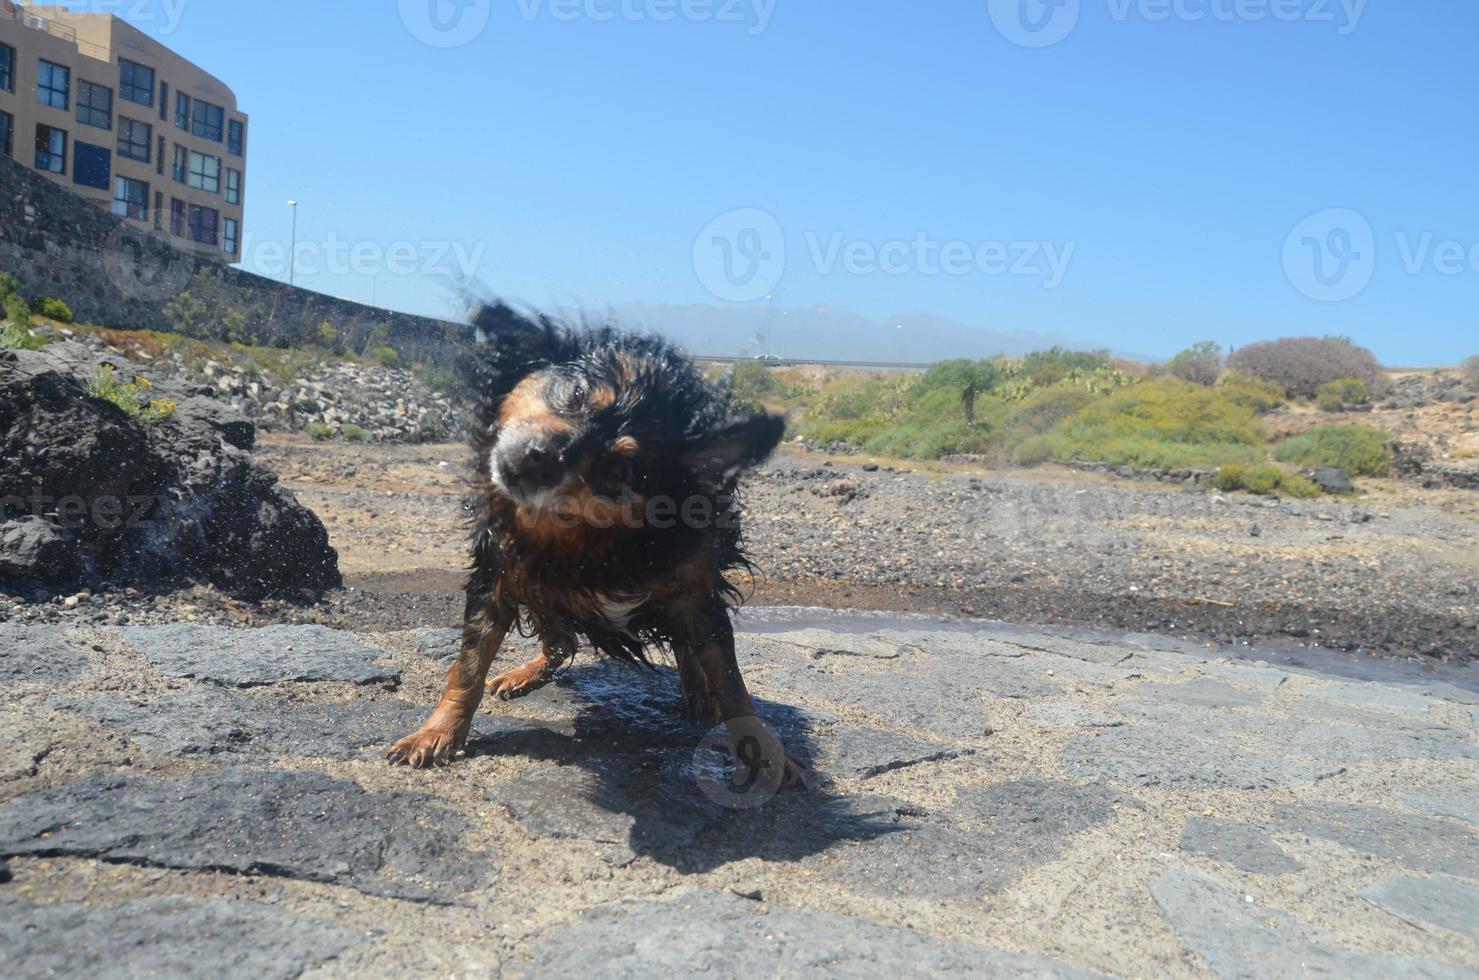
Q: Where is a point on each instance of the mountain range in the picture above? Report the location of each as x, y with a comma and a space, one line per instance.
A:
828, 333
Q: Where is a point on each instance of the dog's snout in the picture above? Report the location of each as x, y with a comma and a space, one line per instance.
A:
534, 465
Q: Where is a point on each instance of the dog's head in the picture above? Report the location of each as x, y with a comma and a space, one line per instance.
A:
586, 419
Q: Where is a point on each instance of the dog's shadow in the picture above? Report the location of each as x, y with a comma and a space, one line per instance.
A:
632, 774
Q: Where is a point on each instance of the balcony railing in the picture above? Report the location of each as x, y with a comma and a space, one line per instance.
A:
61, 31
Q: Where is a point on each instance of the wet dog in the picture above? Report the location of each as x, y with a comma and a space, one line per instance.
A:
607, 468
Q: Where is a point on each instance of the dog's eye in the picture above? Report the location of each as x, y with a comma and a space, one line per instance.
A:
575, 400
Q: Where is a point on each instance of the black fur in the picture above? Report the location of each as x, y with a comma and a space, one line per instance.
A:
693, 447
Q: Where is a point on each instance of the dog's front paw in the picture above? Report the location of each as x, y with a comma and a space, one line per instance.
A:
426, 748
520, 681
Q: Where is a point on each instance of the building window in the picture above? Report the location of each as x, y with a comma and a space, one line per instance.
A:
164, 102
159, 158
207, 120
233, 186
235, 137
54, 85
51, 149
7, 134
176, 216
92, 165
131, 199
7, 68
203, 224
181, 164
134, 139
182, 111
135, 82
230, 235
94, 105
158, 211
205, 173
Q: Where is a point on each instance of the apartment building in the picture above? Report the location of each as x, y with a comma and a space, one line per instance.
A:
102, 108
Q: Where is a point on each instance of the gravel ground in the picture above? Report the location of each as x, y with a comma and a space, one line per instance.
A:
1392, 571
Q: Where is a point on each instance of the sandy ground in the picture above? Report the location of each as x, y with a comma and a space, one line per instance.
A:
1393, 570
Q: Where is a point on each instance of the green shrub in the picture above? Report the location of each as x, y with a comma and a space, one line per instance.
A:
190, 317
133, 396
751, 382
1259, 395
386, 357
1165, 423
1354, 448
318, 430
18, 336
17, 310
55, 309
1335, 396
355, 433
1032, 451
8, 285
1263, 479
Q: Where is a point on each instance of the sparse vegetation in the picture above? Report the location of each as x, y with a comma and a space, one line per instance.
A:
15, 329
1337, 396
1470, 371
1201, 363
1300, 365
319, 431
386, 357
1263, 479
1357, 449
355, 433
134, 397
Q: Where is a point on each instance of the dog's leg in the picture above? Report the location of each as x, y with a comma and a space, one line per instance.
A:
723, 687
530, 677
445, 732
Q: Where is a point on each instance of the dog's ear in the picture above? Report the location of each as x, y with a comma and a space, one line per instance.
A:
508, 347
719, 456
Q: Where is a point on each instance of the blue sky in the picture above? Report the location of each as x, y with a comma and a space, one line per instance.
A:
1143, 182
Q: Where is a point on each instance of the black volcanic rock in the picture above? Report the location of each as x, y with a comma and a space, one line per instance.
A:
89, 494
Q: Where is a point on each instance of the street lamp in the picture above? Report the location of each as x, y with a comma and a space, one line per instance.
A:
900, 335
293, 249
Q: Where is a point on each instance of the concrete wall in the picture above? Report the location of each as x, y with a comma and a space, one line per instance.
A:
115, 274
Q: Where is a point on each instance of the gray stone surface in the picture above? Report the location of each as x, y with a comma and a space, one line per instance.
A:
705, 933
164, 937
1428, 902
1204, 692
928, 843
1238, 844
42, 655
610, 800
1457, 800
1421, 843
1159, 755
245, 658
1065, 714
290, 824
854, 752
982, 843
207, 720
1238, 938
